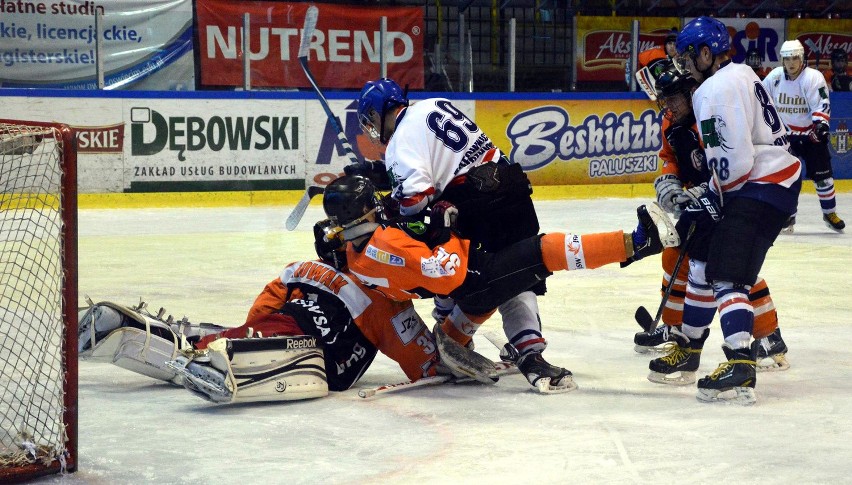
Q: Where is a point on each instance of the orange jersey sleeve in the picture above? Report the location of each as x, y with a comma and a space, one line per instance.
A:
648, 56
403, 268
273, 296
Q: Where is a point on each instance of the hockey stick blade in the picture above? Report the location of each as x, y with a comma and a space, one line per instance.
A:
643, 318
311, 17
299, 211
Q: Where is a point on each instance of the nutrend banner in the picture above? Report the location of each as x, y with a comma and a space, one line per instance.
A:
345, 48
603, 44
51, 44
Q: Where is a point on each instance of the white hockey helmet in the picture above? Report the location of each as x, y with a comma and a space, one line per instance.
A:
792, 48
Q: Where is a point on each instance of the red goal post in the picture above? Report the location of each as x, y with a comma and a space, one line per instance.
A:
38, 299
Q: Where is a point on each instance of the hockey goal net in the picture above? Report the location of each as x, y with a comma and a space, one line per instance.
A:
38, 299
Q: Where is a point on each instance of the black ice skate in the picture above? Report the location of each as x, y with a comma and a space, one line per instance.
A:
733, 381
547, 378
772, 353
651, 341
833, 221
789, 226
683, 358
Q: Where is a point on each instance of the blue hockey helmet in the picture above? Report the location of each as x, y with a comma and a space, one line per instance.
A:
704, 31
376, 98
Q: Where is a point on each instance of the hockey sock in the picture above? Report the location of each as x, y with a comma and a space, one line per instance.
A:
825, 192
735, 313
460, 326
673, 311
521, 323
765, 315
699, 306
562, 251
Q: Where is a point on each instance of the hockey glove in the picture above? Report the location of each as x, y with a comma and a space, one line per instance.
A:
442, 222
690, 196
668, 187
709, 203
374, 170
819, 133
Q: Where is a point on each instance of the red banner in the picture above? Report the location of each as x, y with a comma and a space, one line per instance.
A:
604, 45
344, 49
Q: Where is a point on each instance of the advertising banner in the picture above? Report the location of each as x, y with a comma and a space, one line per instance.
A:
763, 35
51, 44
603, 44
567, 142
345, 48
820, 37
840, 139
214, 140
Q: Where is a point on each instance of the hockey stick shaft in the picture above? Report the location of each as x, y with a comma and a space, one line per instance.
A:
343, 145
503, 368
643, 318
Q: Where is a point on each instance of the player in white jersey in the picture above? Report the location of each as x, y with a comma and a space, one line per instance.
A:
800, 95
434, 152
756, 184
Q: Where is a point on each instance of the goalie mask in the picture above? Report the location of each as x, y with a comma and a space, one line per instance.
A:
376, 100
329, 246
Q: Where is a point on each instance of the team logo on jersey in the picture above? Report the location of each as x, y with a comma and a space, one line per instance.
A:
697, 159
407, 324
383, 257
441, 264
712, 133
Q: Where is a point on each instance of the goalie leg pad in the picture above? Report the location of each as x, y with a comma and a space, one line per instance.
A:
135, 340
108, 333
257, 369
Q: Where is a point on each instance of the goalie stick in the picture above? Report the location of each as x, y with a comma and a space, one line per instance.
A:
342, 143
642, 315
503, 368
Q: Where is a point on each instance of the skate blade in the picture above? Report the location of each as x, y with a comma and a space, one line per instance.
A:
642, 349
685, 378
566, 384
207, 389
744, 396
774, 363
788, 230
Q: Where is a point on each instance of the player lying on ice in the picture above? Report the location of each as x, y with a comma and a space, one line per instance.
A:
312, 330
406, 258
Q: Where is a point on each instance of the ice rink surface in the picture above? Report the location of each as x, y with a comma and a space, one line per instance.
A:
618, 427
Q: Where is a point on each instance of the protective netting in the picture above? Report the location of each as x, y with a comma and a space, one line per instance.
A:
32, 427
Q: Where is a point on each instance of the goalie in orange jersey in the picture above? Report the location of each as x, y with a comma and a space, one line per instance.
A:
407, 258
